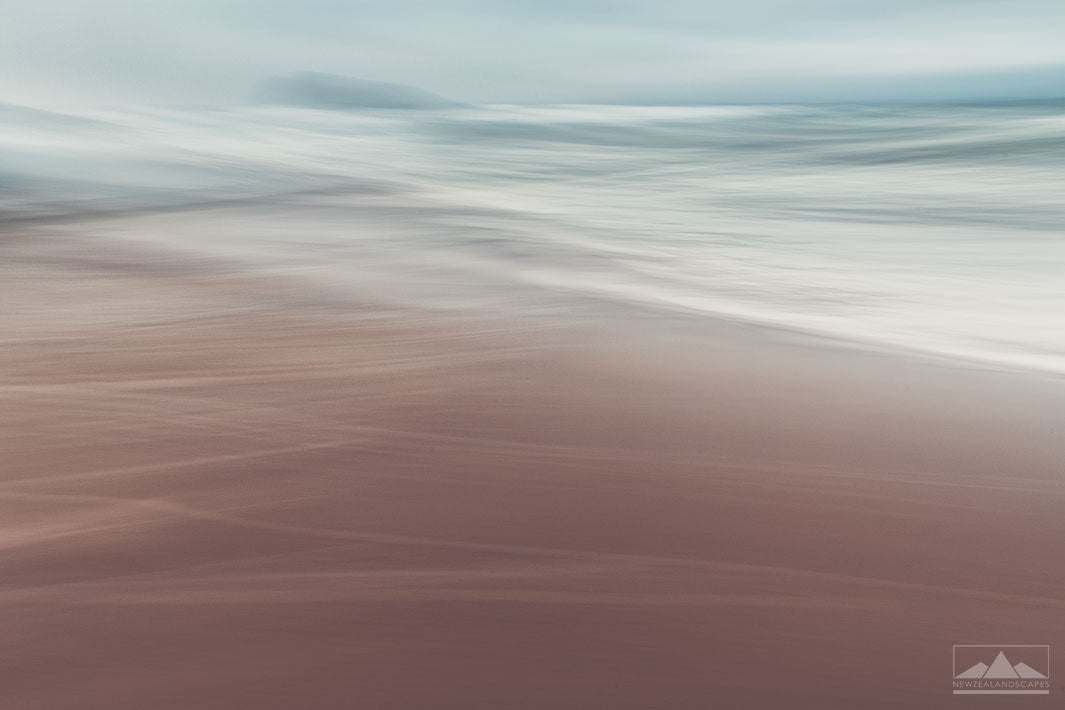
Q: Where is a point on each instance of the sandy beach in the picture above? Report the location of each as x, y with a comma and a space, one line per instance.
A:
222, 490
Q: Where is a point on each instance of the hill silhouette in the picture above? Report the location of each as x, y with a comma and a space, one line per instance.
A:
338, 93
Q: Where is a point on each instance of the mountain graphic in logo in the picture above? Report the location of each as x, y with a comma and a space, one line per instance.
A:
1000, 669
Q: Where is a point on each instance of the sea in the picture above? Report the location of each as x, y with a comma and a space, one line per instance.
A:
933, 228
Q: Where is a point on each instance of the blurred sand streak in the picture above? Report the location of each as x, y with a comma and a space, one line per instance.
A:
219, 491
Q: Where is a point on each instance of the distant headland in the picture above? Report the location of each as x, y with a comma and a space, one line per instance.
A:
339, 93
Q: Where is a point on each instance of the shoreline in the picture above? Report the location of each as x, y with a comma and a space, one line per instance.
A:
125, 230
220, 492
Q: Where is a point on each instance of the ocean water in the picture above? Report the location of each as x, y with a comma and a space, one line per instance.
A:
932, 228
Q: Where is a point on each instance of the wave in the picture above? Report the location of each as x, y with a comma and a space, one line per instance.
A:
931, 228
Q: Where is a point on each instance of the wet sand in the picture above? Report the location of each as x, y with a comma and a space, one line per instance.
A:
219, 491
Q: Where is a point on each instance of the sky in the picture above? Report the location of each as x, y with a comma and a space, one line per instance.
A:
194, 52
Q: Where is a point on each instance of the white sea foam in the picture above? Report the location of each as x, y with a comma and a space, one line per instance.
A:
933, 228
